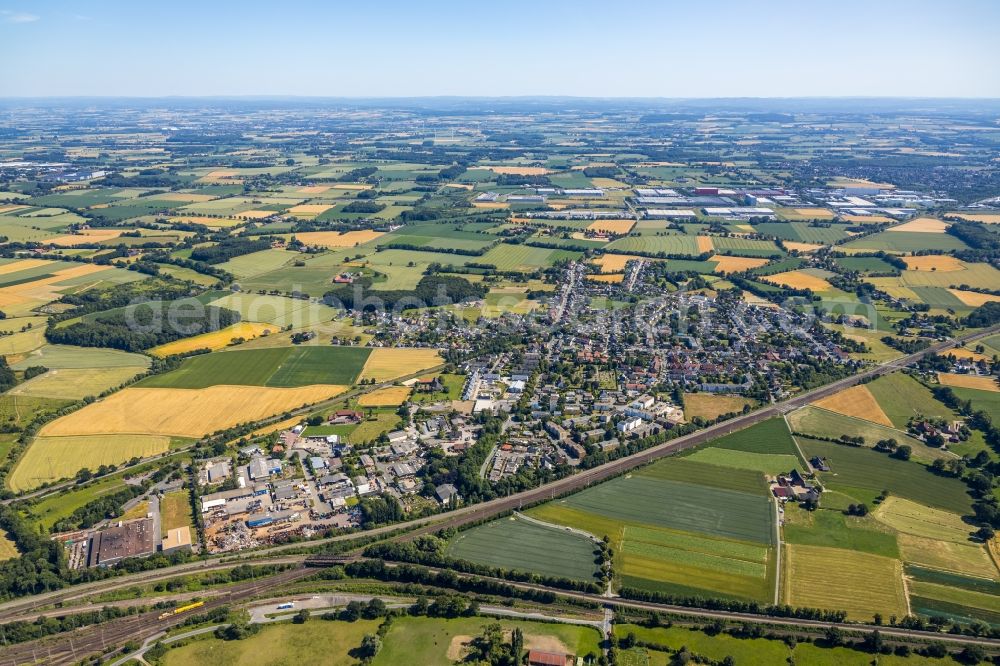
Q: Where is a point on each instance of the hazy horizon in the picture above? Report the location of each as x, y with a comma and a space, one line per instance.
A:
446, 48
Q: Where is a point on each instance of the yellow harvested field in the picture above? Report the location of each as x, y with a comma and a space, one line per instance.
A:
973, 298
940, 263
962, 352
727, 264
337, 239
815, 213
184, 412
54, 458
219, 175
704, 244
613, 263
799, 280
516, 170
10, 208
712, 405
216, 339
388, 363
390, 396
985, 218
255, 214
609, 278
964, 558
859, 182
923, 225
313, 189
44, 289
801, 247
86, 236
309, 209
203, 219
858, 402
866, 219
22, 265
181, 196
969, 381
620, 227
491, 204
352, 186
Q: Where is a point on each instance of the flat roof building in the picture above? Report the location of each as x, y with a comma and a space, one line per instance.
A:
178, 538
114, 544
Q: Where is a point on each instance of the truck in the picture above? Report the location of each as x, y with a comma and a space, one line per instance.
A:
288, 605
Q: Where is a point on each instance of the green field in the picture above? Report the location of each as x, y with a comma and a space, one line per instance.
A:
820, 422
832, 529
277, 310
275, 366
902, 397
667, 244
256, 263
316, 642
802, 232
907, 241
768, 437
865, 265
64, 357
745, 247
863, 474
523, 258
680, 537
522, 545
768, 463
425, 641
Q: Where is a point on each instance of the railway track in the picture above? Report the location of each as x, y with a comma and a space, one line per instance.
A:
483, 511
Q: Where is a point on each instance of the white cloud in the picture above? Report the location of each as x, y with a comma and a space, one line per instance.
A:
18, 17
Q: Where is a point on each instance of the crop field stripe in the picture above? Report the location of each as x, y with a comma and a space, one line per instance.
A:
768, 463
680, 505
695, 558
704, 474
522, 545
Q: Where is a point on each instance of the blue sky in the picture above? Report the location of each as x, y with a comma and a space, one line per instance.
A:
724, 48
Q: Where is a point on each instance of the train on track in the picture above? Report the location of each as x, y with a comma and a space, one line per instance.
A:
181, 609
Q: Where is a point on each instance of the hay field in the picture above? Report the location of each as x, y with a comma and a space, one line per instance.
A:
337, 239
516, 170
801, 247
184, 197
934, 262
86, 236
859, 583
205, 220
985, 218
16, 265
184, 412
973, 298
45, 289
712, 405
814, 213
969, 381
387, 363
867, 219
704, 243
858, 402
965, 558
76, 383
53, 458
799, 280
727, 264
390, 396
313, 189
620, 227
215, 339
608, 278
923, 225
309, 210
909, 517
613, 263
255, 214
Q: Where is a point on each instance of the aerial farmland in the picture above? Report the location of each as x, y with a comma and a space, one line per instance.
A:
555, 372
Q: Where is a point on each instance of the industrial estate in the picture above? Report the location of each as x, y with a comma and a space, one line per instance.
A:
499, 382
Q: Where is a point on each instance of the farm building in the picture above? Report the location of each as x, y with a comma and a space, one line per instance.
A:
541, 658
446, 493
